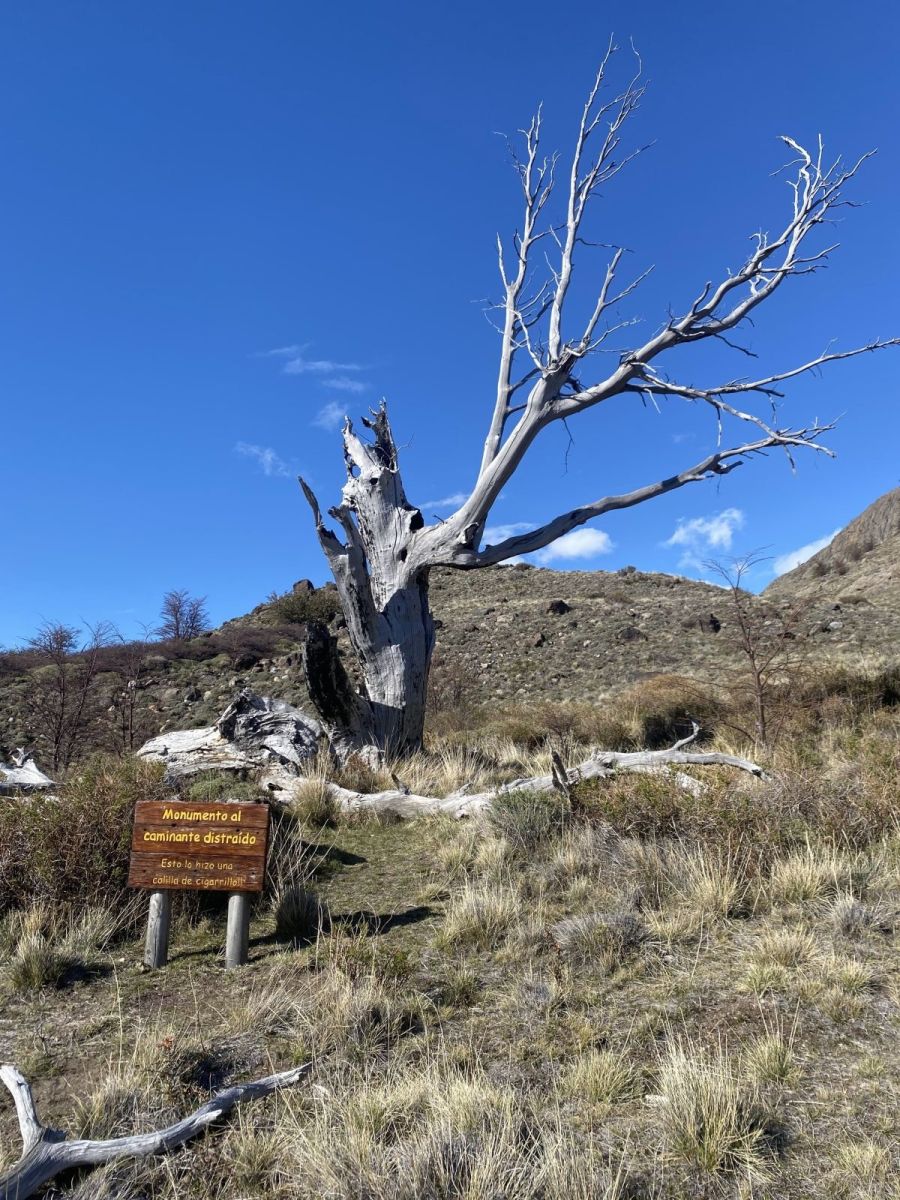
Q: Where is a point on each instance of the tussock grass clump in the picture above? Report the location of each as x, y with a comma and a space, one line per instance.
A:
299, 915
765, 977
712, 1118
456, 853
46, 944
606, 940
599, 1077
850, 917
708, 882
313, 802
527, 820
819, 870
437, 1133
786, 947
770, 1058
865, 1164
331, 1012
846, 974
481, 914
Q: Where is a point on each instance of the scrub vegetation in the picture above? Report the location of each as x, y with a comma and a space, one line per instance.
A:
636, 992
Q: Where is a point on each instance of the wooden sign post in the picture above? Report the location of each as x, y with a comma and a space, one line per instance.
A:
209, 847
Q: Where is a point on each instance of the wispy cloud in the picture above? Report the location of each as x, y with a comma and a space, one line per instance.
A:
793, 558
330, 417
343, 383
269, 461
282, 351
317, 366
453, 501
701, 536
580, 543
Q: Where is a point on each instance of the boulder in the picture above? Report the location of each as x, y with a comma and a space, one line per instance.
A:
22, 775
253, 733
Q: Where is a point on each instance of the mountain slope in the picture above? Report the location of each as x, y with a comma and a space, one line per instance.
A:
853, 584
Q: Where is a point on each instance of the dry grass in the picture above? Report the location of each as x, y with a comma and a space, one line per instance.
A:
481, 914
713, 1118
599, 1077
44, 944
549, 1021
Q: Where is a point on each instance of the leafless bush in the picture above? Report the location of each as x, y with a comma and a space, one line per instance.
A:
183, 616
63, 702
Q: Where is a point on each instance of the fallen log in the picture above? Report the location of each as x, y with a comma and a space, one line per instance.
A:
602, 764
48, 1152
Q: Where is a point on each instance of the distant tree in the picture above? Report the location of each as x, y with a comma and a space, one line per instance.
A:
128, 667
771, 643
183, 616
64, 701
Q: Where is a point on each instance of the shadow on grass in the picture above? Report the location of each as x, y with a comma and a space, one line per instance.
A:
372, 923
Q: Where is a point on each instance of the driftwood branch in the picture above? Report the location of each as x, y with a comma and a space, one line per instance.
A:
47, 1152
603, 764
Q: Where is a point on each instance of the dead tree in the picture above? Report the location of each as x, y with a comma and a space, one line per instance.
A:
63, 700
382, 550
183, 616
771, 644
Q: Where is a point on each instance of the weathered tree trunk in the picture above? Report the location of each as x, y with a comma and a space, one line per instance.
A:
384, 595
381, 567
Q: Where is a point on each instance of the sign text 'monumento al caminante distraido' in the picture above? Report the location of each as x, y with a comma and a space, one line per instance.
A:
213, 847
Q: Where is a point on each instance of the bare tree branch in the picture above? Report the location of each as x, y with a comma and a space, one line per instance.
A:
719, 463
46, 1152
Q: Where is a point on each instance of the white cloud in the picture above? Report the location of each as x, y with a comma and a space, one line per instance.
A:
495, 534
317, 366
793, 558
269, 461
341, 383
708, 533
453, 501
330, 417
580, 543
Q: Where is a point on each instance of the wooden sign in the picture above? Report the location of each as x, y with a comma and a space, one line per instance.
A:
211, 847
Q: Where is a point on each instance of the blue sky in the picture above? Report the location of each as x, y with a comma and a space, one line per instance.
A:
224, 224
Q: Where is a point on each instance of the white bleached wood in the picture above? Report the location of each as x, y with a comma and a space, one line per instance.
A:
48, 1153
603, 764
548, 373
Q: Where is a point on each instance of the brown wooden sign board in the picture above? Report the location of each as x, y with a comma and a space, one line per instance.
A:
208, 847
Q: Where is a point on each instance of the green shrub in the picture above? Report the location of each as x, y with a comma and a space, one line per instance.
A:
296, 608
74, 848
211, 786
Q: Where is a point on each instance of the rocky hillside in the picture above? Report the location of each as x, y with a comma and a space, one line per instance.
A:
852, 588
510, 634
